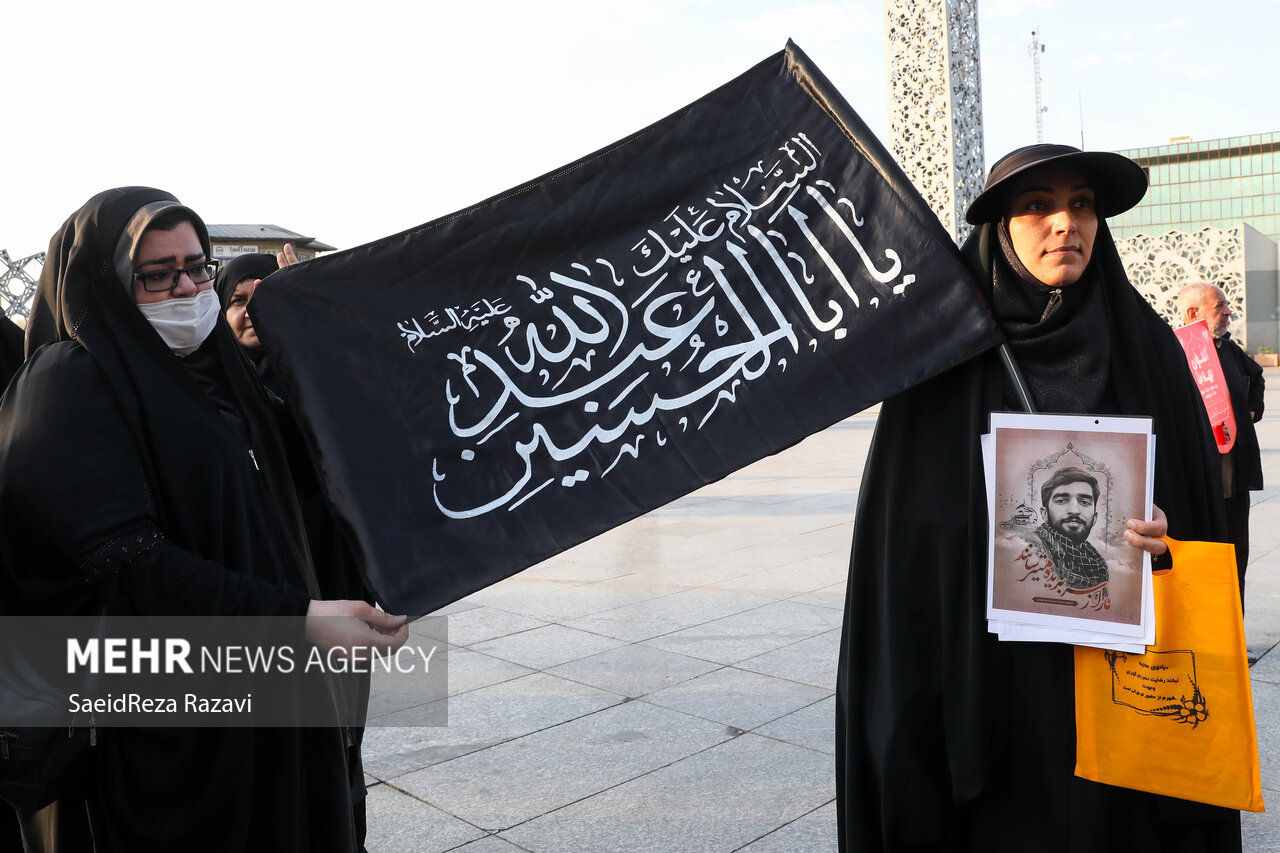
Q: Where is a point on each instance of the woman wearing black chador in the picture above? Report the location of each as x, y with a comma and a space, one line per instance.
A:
947, 739
141, 473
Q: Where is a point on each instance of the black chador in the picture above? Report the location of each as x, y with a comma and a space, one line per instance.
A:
155, 484
947, 739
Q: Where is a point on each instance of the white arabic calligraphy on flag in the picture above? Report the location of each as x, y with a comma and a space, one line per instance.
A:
488, 389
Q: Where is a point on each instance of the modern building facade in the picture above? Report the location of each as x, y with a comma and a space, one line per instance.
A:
1215, 182
1242, 261
1212, 214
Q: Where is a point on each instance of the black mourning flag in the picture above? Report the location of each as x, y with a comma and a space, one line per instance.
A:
489, 389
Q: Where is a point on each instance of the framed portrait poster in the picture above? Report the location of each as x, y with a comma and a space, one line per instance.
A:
1061, 488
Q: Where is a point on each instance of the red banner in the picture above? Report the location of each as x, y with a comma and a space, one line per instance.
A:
1202, 356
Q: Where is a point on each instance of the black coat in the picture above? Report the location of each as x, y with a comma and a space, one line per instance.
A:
947, 739
11, 349
1247, 389
123, 483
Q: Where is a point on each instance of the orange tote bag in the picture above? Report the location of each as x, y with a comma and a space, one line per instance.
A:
1177, 720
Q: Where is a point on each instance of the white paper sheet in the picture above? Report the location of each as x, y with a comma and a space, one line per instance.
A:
1068, 441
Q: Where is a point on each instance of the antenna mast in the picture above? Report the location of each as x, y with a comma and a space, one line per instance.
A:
1035, 49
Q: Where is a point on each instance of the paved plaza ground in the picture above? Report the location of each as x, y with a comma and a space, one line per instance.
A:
668, 686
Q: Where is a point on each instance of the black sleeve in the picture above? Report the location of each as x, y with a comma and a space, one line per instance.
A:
142, 572
11, 349
74, 477
1257, 387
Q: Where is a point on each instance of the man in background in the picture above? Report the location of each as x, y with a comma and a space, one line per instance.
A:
1242, 466
1070, 507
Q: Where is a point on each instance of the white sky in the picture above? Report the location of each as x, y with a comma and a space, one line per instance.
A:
352, 120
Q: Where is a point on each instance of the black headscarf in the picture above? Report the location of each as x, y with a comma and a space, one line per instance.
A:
118, 468
162, 404
1052, 332
252, 265
947, 739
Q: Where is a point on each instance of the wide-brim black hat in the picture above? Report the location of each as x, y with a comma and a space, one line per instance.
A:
1118, 182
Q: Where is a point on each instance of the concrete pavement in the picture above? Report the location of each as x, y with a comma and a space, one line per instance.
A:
668, 686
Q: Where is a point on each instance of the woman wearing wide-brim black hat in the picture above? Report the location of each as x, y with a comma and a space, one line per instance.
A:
948, 739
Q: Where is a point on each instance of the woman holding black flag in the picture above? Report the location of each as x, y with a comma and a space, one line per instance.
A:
948, 739
141, 472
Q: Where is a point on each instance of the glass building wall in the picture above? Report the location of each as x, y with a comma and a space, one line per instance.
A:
1217, 182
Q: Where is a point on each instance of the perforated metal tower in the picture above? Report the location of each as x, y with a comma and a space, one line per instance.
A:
935, 102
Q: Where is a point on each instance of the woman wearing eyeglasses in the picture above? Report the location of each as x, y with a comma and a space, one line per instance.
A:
141, 472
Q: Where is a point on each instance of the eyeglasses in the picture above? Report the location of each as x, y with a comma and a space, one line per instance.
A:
162, 280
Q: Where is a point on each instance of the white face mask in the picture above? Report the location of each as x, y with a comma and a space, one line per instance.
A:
183, 323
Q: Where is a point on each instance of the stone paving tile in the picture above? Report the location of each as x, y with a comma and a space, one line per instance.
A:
1262, 638
841, 529
486, 623
633, 671
522, 779
697, 573
399, 823
392, 692
637, 546
570, 566
767, 494
669, 614
729, 511
746, 635
831, 597
478, 720
433, 626
717, 800
555, 601
1262, 599
795, 578
488, 844
471, 670
547, 646
813, 727
1267, 669
1266, 710
834, 561
1261, 615
830, 497
685, 581
737, 698
811, 833
776, 541
812, 661
659, 589
683, 528
1261, 832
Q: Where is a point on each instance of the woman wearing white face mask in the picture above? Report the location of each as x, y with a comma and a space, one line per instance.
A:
141, 472
170, 274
